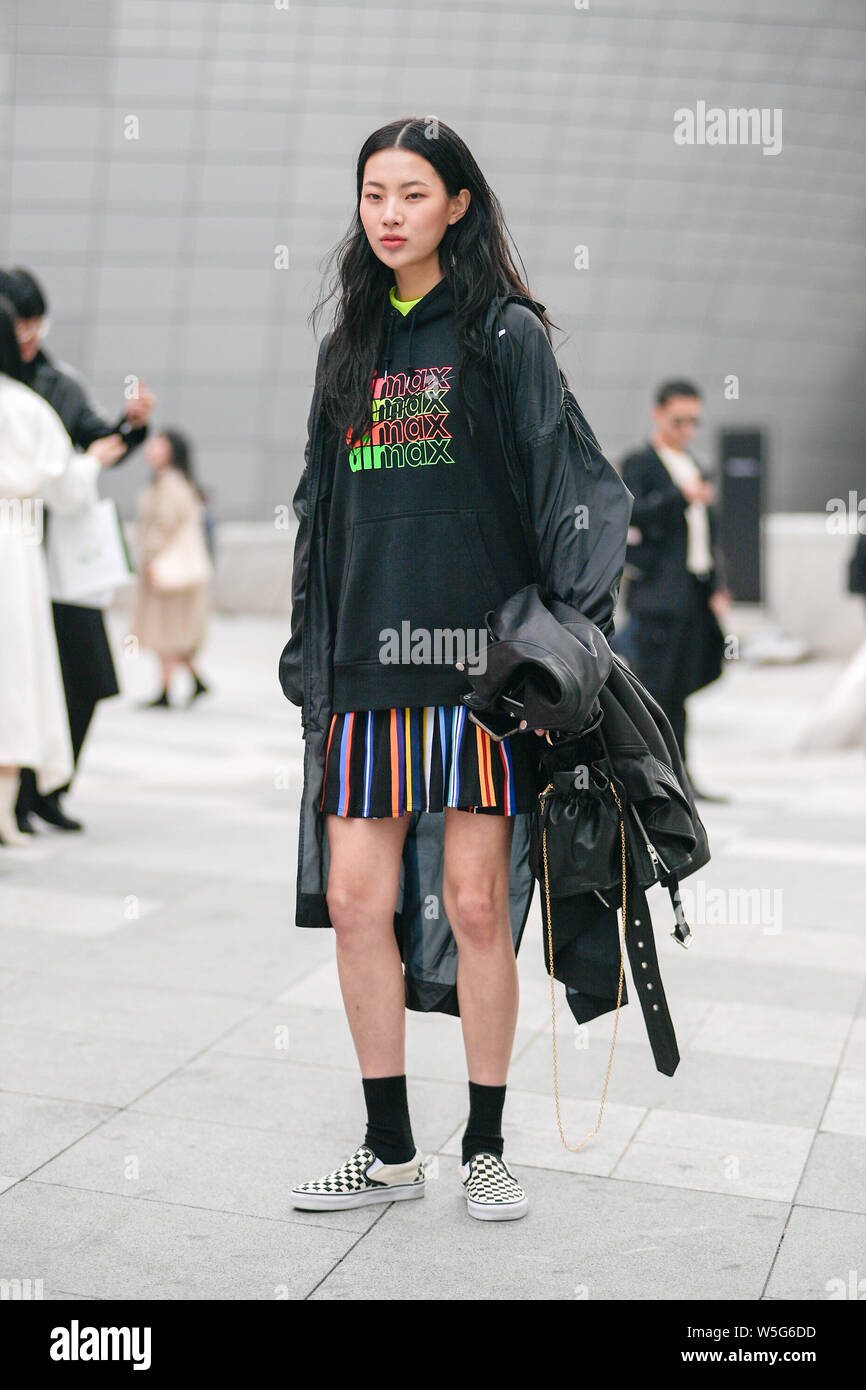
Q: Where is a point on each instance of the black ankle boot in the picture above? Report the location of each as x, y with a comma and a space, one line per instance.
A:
199, 689
48, 808
161, 702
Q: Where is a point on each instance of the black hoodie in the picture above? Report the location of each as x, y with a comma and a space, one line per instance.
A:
424, 534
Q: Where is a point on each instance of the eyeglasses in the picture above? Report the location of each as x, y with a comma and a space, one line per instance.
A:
679, 420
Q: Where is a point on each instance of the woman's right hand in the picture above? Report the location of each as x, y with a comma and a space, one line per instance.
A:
108, 450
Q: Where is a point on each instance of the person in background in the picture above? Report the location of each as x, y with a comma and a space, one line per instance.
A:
85, 655
38, 465
675, 570
171, 623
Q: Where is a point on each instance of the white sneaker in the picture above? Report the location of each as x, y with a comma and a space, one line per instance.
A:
492, 1191
362, 1179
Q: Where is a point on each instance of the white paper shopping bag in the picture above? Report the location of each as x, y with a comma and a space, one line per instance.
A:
87, 555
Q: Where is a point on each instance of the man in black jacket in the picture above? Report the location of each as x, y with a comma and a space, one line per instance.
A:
674, 567
82, 643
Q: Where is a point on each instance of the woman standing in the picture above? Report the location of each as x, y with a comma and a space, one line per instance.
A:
172, 597
38, 467
414, 522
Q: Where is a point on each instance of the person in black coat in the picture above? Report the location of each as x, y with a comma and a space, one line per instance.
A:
674, 578
85, 655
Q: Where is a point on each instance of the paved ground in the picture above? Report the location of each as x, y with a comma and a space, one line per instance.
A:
175, 1052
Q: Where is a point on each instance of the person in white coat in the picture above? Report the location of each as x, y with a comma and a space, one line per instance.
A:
39, 467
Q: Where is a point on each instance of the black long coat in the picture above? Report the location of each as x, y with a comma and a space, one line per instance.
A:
82, 642
555, 467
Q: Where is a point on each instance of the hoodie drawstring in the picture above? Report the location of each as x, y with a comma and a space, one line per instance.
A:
389, 337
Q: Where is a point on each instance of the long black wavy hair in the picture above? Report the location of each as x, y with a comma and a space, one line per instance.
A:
474, 255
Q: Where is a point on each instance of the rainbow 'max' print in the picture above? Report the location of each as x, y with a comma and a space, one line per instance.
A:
410, 417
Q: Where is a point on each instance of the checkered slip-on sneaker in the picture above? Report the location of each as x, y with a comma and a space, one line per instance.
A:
363, 1178
492, 1191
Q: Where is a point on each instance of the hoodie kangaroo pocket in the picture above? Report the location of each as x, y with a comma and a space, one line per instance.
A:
431, 571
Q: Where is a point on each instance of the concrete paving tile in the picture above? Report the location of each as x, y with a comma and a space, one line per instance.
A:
836, 854
707, 1083
203, 956
687, 1011
835, 1173
854, 1056
111, 1247
765, 1031
846, 1109
197, 1164
754, 981
582, 1238
717, 1155
822, 1256
298, 1100
205, 856
75, 914
26, 949
317, 989
805, 899
532, 1138
55, 1295
110, 1009
75, 1066
33, 1129
821, 948
289, 1032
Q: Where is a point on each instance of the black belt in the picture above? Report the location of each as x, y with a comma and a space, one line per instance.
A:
641, 948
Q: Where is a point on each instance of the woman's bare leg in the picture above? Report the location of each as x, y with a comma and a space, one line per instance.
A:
363, 882
475, 893
167, 663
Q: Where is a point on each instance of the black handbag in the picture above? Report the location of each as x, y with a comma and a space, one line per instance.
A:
588, 810
582, 819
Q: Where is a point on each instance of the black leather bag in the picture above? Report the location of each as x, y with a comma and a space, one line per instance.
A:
582, 821
580, 807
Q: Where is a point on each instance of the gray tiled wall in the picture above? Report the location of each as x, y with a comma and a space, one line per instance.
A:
158, 253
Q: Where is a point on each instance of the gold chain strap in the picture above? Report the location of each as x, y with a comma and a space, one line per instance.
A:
575, 1147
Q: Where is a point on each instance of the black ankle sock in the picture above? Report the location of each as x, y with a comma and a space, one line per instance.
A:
389, 1132
484, 1126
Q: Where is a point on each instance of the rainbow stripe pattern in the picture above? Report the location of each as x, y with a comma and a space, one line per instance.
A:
417, 758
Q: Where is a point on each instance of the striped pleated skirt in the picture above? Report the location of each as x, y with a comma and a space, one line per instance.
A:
387, 762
